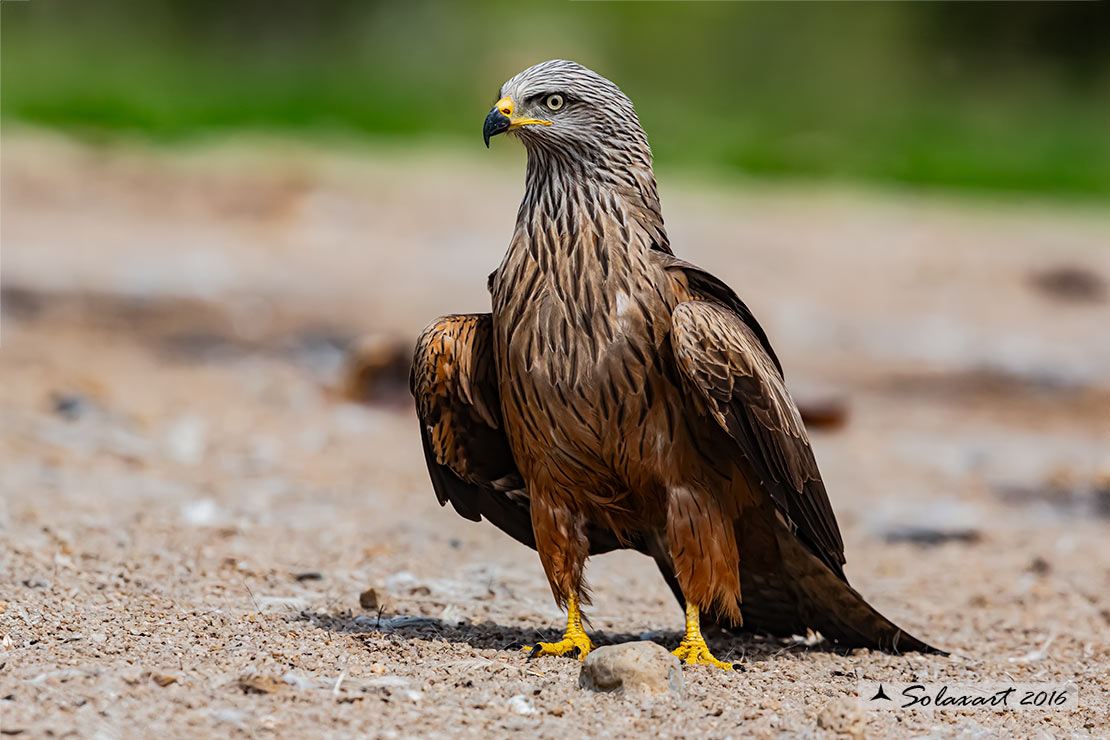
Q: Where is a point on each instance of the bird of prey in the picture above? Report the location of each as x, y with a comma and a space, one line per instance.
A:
619, 397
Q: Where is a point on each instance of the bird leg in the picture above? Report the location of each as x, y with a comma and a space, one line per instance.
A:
575, 641
693, 650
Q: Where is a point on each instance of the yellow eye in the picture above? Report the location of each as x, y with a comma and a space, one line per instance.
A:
554, 102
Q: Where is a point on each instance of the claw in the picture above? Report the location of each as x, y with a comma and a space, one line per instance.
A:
575, 642
693, 650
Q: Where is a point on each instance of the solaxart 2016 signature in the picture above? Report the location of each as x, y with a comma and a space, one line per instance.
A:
986, 696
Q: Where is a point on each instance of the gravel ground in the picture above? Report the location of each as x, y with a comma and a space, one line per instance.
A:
190, 507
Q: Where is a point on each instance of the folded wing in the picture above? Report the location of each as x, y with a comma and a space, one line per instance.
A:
727, 361
454, 382
471, 466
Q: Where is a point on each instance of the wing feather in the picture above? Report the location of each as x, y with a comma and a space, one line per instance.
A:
727, 359
453, 380
468, 455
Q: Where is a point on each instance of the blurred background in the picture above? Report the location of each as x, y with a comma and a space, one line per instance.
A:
224, 223
1009, 96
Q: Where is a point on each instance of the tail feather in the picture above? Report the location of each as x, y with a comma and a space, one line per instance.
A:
829, 605
786, 590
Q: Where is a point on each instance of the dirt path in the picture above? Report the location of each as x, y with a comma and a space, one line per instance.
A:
189, 509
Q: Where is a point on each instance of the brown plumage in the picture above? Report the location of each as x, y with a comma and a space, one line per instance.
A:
620, 397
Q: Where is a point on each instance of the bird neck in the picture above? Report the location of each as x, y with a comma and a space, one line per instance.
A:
607, 196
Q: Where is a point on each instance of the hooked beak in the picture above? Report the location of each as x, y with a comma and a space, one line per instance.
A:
501, 119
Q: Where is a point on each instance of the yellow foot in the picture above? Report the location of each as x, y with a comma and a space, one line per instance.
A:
575, 641
696, 652
693, 650
575, 644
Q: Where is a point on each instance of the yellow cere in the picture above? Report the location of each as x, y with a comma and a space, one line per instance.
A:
505, 105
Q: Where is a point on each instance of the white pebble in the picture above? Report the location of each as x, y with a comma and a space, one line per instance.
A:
187, 440
521, 705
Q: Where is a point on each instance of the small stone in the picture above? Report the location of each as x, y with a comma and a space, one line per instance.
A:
201, 512
162, 679
260, 684
843, 718
69, 406
521, 705
1039, 566
632, 668
374, 599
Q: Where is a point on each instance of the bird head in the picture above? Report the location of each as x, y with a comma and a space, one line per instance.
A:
561, 105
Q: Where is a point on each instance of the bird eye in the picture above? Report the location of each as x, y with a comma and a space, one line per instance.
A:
554, 102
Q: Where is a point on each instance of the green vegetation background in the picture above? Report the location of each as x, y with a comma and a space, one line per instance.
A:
993, 96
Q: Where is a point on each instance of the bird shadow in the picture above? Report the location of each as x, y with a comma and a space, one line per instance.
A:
487, 635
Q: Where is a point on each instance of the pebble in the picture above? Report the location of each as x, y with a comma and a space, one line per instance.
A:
201, 512
260, 684
70, 406
521, 705
843, 718
632, 668
186, 440
373, 599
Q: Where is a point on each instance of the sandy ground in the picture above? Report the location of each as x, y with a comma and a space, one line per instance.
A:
189, 508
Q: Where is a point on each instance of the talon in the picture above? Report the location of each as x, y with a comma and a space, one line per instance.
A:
693, 650
696, 652
575, 642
